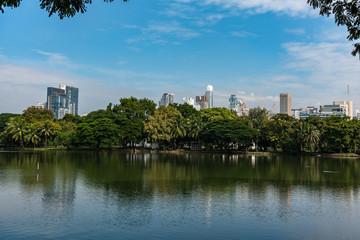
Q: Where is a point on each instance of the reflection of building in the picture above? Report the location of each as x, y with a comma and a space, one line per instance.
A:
62, 100
166, 99
285, 103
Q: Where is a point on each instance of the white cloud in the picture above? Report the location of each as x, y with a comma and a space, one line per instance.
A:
296, 31
242, 34
57, 59
289, 7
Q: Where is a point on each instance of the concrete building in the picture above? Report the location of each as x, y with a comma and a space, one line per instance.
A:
285, 103
340, 108
347, 107
166, 99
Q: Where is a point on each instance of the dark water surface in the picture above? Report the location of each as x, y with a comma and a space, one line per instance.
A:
101, 195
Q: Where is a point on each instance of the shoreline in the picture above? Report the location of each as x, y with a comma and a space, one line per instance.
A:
182, 151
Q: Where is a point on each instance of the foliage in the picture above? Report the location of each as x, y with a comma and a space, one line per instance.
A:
66, 8
346, 12
34, 114
16, 127
32, 135
215, 114
4, 118
186, 110
159, 127
47, 129
228, 134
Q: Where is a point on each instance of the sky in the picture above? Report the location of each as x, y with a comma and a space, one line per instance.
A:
254, 49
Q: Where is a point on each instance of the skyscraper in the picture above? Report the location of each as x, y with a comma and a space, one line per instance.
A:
62, 100
285, 103
166, 99
234, 103
209, 95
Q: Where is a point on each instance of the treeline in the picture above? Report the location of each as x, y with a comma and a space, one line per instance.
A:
134, 121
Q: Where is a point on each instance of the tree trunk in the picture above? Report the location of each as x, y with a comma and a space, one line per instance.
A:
45, 141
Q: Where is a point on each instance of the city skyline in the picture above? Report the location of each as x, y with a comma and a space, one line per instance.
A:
143, 48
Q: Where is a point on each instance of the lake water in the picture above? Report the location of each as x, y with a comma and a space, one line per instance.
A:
102, 195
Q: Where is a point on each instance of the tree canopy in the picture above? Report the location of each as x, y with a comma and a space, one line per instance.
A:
346, 12
63, 8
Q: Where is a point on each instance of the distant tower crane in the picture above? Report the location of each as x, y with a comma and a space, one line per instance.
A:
274, 111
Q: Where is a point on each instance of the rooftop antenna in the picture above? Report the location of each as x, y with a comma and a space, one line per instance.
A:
348, 92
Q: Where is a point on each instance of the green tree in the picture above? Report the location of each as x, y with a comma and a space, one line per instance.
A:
130, 115
215, 114
346, 12
16, 127
159, 127
66, 8
47, 129
34, 114
308, 136
4, 118
101, 133
186, 110
228, 134
31, 135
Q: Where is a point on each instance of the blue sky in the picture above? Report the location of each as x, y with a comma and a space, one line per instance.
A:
142, 48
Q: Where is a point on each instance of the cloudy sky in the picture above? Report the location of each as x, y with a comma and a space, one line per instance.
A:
142, 48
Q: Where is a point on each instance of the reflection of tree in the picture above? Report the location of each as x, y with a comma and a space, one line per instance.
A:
131, 185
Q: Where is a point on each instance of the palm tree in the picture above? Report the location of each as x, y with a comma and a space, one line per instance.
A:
178, 130
16, 127
32, 135
309, 136
47, 129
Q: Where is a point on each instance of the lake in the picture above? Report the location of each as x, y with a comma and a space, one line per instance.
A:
114, 195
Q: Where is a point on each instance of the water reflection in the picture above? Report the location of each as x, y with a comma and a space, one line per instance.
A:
140, 190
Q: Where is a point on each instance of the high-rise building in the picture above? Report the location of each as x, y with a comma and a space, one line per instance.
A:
191, 102
209, 95
234, 103
62, 100
166, 99
285, 103
202, 101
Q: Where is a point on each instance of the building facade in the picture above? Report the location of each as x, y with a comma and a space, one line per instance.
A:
285, 103
166, 99
62, 100
209, 95
202, 101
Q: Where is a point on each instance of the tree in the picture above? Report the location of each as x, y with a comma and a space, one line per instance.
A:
346, 12
16, 127
186, 110
159, 127
47, 129
102, 132
64, 8
130, 115
34, 114
4, 118
228, 134
31, 135
215, 114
